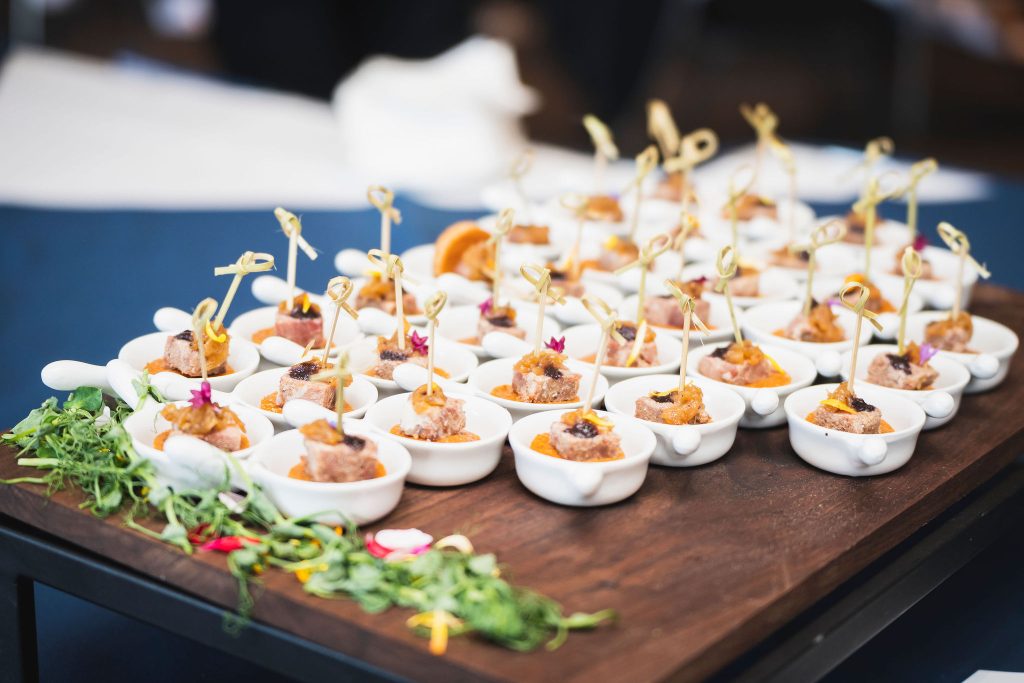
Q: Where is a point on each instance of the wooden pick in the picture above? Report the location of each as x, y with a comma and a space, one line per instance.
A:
863, 293
875, 150
827, 233
605, 317
431, 310
200, 326
959, 244
736, 192
576, 203
383, 199
249, 262
911, 266
393, 267
604, 149
785, 156
339, 290
652, 249
540, 278
727, 265
292, 228
867, 206
662, 128
764, 122
695, 148
502, 228
688, 224
917, 172
520, 167
341, 372
689, 309
646, 161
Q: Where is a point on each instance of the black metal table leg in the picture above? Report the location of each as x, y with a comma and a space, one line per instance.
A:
18, 660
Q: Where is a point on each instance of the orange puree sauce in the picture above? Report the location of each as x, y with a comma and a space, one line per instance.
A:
160, 365
542, 444
472, 341
776, 379
372, 372
505, 391
461, 437
259, 335
299, 472
269, 403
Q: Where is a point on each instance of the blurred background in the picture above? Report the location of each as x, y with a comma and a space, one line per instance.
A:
943, 77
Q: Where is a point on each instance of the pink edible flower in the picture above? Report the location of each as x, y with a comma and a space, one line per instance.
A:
927, 352
398, 544
920, 242
556, 345
486, 307
834, 301
419, 343
227, 544
700, 280
201, 397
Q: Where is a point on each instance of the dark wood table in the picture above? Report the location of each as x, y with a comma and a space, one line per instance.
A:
757, 566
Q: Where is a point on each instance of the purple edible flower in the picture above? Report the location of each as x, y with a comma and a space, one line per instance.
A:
556, 345
834, 301
419, 344
920, 242
202, 397
486, 307
927, 352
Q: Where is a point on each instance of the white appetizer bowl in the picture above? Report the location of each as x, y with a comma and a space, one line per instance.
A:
497, 372
940, 403
826, 288
938, 291
582, 484
188, 462
763, 404
832, 260
760, 323
582, 341
361, 502
242, 357
455, 359
360, 394
854, 455
719, 321
460, 322
994, 342
683, 445
775, 285
574, 313
448, 464
251, 322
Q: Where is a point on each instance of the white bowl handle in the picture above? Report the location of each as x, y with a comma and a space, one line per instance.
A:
890, 325
270, 289
461, 289
68, 375
829, 364
504, 345
374, 321
686, 440
941, 297
170, 319
984, 366
120, 376
938, 405
351, 262
281, 351
186, 446
765, 402
870, 450
411, 377
586, 479
298, 412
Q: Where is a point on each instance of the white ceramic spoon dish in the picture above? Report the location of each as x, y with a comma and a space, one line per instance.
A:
459, 324
188, 462
854, 455
582, 484
683, 445
361, 502
448, 464
940, 403
582, 342
718, 322
360, 394
993, 342
284, 351
774, 284
243, 359
764, 404
484, 379
453, 358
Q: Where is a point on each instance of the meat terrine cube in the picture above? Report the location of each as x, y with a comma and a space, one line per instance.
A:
669, 408
544, 378
499, 323
618, 353
665, 311
302, 324
182, 356
898, 372
422, 420
584, 442
296, 383
867, 421
353, 459
716, 366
